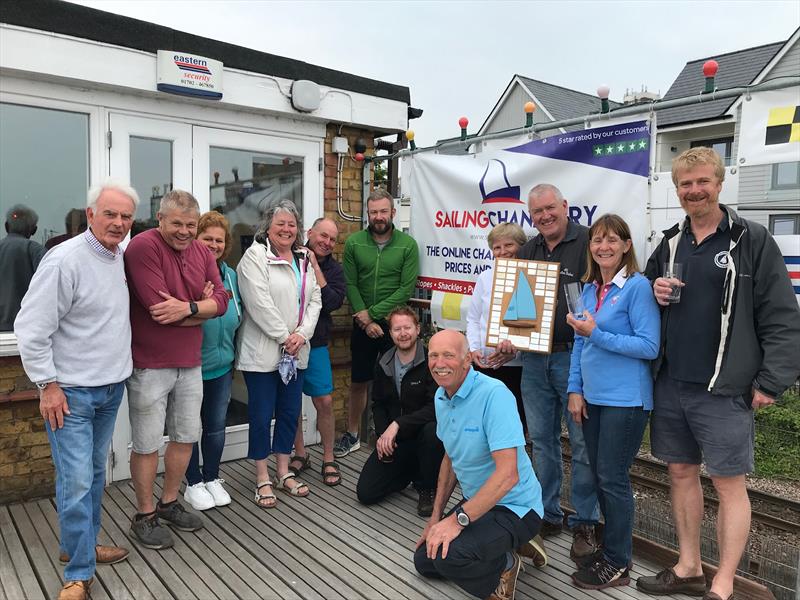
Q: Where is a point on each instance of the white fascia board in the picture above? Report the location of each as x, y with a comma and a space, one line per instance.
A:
680, 127
766, 70
91, 63
540, 106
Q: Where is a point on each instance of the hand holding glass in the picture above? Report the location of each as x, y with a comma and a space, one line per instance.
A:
573, 291
674, 273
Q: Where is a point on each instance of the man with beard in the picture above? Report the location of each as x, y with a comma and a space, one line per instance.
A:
728, 347
381, 265
407, 450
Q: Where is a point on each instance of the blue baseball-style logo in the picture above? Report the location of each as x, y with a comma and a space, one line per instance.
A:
507, 194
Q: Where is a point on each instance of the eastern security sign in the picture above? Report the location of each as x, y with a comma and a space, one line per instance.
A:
457, 200
189, 75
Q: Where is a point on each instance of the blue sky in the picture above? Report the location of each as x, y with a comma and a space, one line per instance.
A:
458, 57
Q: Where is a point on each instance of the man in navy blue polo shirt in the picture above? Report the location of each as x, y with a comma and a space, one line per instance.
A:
728, 347
477, 544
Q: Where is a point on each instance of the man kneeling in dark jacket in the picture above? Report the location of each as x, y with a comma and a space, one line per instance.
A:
407, 450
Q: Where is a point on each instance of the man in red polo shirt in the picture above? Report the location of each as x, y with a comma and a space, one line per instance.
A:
170, 276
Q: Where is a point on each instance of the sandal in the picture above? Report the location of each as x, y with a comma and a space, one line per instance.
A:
299, 488
303, 461
331, 474
259, 498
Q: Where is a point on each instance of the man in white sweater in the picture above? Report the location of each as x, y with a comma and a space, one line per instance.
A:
74, 338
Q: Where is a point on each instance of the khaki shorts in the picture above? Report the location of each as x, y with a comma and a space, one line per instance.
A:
158, 397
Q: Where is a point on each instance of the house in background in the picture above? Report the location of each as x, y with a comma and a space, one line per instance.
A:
765, 193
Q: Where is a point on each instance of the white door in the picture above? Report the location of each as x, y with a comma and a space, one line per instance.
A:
155, 156
234, 172
239, 174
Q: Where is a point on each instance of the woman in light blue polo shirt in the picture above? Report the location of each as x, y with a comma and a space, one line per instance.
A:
611, 388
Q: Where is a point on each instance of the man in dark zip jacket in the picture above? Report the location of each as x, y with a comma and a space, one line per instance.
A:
407, 450
728, 347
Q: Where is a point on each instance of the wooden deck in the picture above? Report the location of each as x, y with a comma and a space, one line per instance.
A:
323, 547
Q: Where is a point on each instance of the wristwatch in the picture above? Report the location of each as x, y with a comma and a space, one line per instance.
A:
462, 517
42, 385
192, 308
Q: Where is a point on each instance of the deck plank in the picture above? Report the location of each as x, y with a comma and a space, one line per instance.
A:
326, 546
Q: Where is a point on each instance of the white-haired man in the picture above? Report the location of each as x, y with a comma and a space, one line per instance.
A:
78, 298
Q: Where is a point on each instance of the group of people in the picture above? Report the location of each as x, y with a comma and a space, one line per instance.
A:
172, 321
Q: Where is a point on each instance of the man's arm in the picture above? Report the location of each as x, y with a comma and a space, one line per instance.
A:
351, 277
499, 483
777, 321
333, 289
444, 489
408, 280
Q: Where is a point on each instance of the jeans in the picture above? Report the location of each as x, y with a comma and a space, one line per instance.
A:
415, 460
80, 451
477, 557
544, 393
216, 397
267, 395
613, 435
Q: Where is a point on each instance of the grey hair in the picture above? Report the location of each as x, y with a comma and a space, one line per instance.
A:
321, 220
543, 188
111, 184
21, 220
179, 200
279, 206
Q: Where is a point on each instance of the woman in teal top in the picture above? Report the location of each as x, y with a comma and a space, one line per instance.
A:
204, 488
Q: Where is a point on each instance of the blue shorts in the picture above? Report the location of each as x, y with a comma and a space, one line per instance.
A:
318, 379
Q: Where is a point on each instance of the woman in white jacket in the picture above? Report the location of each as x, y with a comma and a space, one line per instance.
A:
281, 299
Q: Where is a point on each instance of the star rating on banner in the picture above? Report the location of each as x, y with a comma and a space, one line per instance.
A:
625, 147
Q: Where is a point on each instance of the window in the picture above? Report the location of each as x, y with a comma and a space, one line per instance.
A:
44, 175
785, 175
784, 224
722, 146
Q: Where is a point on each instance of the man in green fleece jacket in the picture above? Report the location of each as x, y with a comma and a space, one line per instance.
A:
381, 265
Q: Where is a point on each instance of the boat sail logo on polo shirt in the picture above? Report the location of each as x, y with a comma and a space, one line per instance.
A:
721, 259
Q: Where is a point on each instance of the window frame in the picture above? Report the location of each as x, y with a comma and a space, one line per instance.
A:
793, 216
709, 143
774, 185
8, 341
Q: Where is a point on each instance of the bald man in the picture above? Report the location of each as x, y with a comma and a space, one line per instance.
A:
477, 545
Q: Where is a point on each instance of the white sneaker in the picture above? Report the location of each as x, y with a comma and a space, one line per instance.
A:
221, 497
198, 496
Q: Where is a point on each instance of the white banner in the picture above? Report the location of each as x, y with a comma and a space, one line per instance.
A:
770, 128
456, 200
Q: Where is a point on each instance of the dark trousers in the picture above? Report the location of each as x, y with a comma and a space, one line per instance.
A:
512, 377
416, 460
477, 557
216, 397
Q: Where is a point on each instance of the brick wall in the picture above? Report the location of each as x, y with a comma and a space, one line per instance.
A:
352, 205
26, 470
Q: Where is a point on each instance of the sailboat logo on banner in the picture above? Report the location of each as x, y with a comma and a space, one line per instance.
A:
521, 309
508, 193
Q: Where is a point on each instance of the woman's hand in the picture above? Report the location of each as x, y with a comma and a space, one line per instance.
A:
577, 408
293, 343
583, 326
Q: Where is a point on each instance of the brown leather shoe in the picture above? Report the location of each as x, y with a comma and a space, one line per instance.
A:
584, 542
507, 586
667, 582
75, 590
716, 596
534, 549
104, 555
